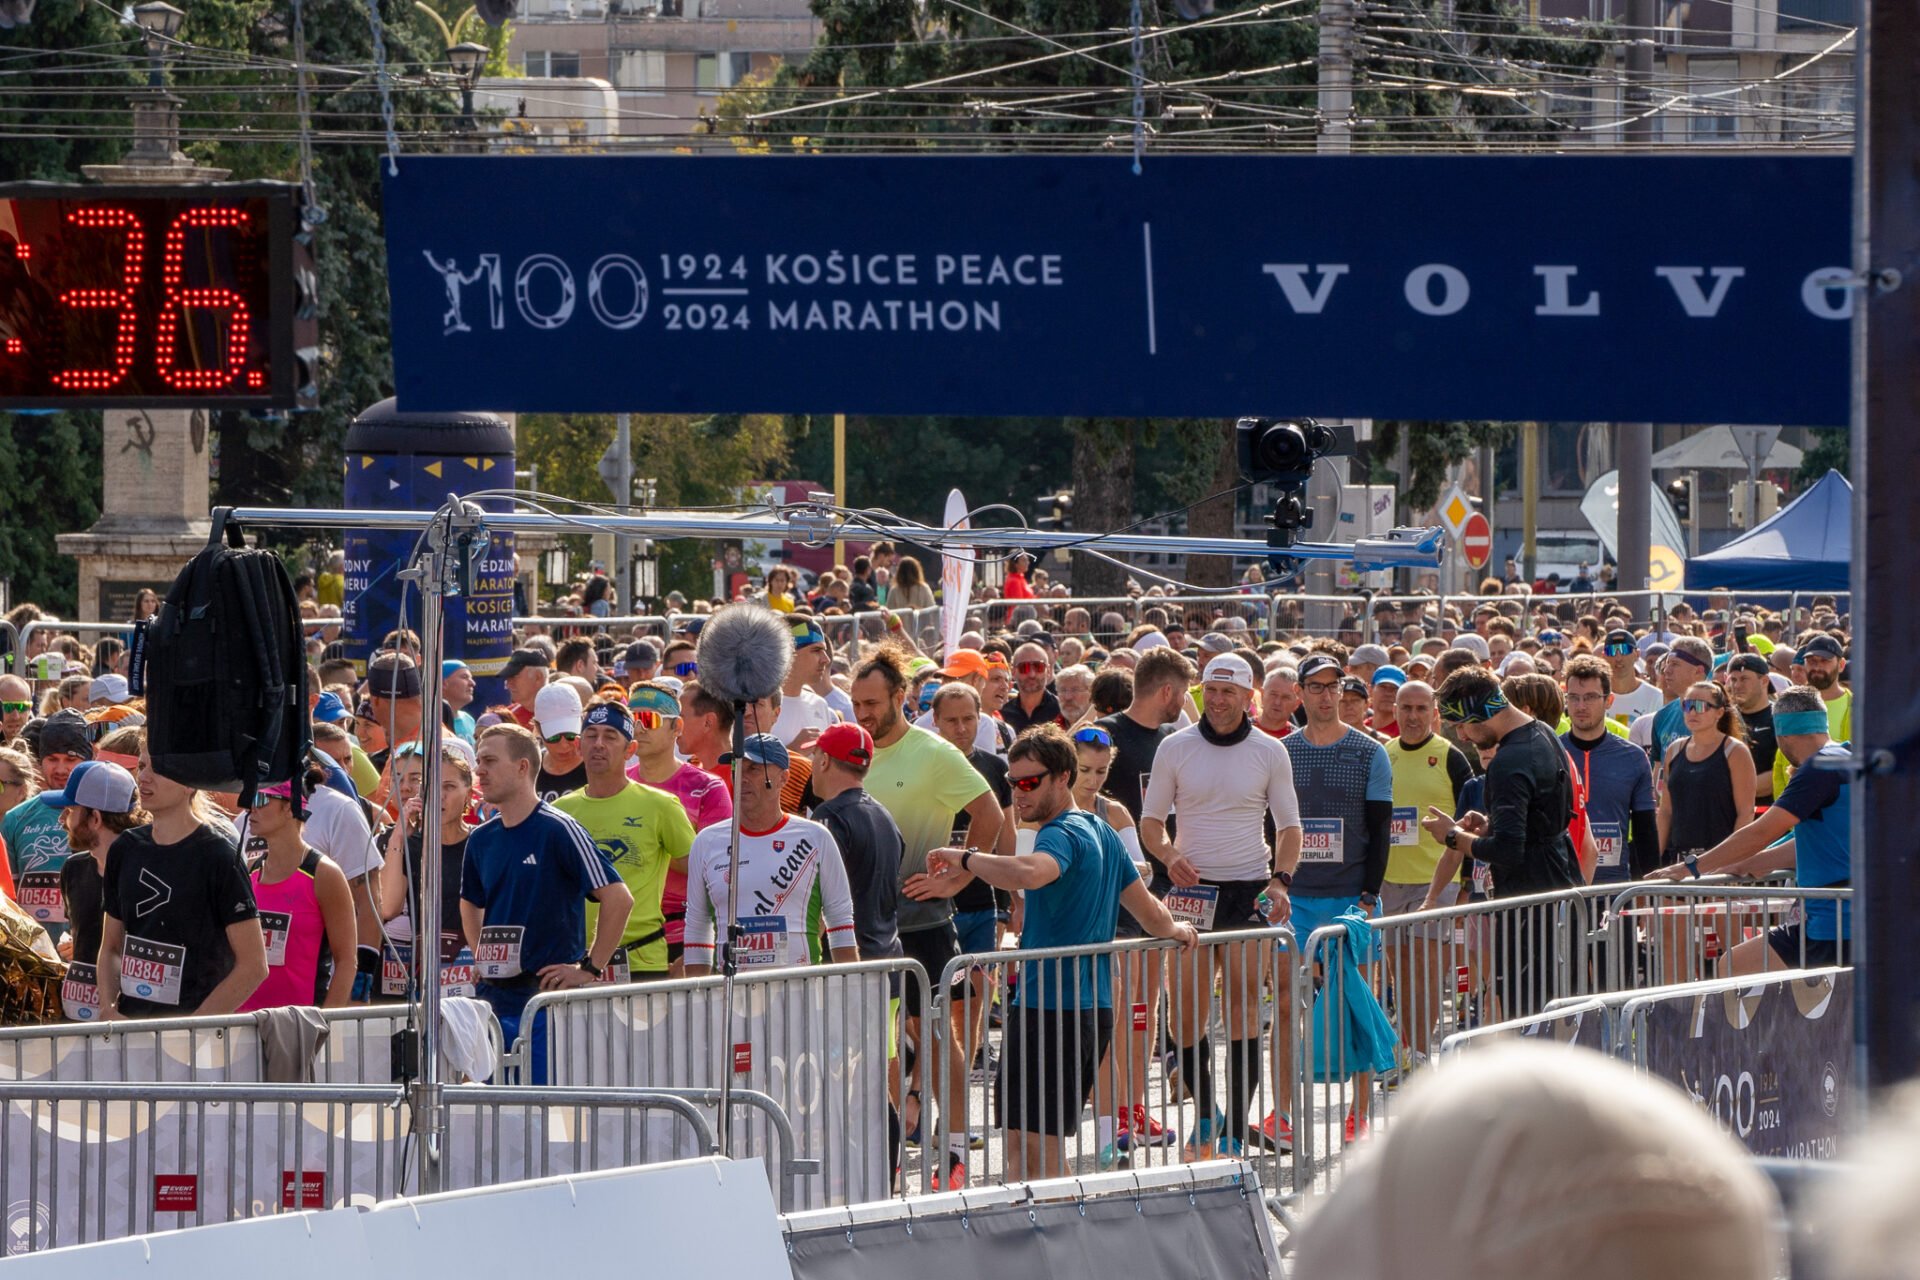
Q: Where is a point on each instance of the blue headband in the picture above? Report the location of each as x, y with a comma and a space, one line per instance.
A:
613, 715
1788, 723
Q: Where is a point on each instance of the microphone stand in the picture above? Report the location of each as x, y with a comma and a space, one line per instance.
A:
729, 958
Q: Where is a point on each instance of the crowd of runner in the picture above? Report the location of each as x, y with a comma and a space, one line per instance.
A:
1060, 778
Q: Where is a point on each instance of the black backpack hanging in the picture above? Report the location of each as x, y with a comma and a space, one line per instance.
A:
226, 672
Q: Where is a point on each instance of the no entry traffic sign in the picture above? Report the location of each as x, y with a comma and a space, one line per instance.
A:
1476, 540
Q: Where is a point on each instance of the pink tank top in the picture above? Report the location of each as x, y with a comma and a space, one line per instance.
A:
296, 936
707, 801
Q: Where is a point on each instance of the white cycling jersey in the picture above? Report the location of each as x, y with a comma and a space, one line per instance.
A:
778, 872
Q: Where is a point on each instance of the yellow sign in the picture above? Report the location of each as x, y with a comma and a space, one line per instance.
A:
1666, 570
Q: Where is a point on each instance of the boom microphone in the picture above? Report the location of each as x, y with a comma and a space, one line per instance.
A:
744, 652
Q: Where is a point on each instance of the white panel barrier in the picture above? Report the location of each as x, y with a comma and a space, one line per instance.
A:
690, 1216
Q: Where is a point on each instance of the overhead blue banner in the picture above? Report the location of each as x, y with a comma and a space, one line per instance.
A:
1642, 288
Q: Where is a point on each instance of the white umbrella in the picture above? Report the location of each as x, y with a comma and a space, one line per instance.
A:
1718, 449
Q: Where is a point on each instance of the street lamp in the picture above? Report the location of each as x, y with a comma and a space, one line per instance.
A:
156, 114
466, 59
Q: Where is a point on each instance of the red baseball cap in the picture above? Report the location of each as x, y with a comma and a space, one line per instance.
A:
847, 743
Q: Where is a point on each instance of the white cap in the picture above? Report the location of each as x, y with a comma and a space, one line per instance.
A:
1151, 640
1472, 642
108, 688
556, 709
1229, 668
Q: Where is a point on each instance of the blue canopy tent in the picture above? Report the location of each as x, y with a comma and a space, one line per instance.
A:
1805, 546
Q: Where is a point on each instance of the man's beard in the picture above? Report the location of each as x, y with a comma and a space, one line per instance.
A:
1822, 680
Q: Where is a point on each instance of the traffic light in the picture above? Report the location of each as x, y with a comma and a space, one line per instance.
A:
1680, 494
1056, 511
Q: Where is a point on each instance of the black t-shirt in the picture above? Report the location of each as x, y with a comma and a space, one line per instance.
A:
80, 888
452, 862
552, 786
1133, 751
863, 595
871, 848
1760, 739
979, 895
1045, 711
176, 902
1529, 804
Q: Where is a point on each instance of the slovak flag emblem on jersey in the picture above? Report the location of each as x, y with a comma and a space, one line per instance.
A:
779, 846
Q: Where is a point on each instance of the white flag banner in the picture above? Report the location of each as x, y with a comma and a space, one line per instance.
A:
956, 578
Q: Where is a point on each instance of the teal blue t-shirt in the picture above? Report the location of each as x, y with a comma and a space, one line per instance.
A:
1078, 909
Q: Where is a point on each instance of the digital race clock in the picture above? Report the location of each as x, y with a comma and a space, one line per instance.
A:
179, 295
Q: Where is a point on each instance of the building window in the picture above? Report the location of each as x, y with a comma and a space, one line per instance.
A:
641, 69
1717, 99
738, 67
542, 63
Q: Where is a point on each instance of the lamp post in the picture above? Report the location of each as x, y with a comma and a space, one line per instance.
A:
156, 113
466, 59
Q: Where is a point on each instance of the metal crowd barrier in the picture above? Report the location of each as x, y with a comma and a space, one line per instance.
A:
1243, 978
202, 1050
816, 1040
84, 1162
589, 623
1535, 963
1676, 933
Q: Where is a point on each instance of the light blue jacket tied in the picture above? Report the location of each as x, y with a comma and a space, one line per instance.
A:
1358, 1036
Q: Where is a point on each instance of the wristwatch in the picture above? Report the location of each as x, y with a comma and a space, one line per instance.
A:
586, 963
1285, 878
1693, 865
1369, 900
1452, 835
967, 857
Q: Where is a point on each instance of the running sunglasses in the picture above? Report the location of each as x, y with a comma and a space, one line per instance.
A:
1031, 668
686, 670
564, 737
649, 719
16, 708
1029, 783
1095, 735
1694, 706
1618, 649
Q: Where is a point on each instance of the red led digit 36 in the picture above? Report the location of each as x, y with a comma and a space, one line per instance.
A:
158, 296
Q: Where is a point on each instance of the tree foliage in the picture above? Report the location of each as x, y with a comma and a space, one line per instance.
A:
1433, 448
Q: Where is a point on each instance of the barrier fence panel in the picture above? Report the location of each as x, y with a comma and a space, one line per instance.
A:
1661, 934
202, 1050
498, 1134
1581, 1020
1503, 965
815, 1040
1229, 1009
640, 624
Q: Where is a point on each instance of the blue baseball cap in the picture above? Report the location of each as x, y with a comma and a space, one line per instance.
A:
1390, 674
762, 748
95, 784
329, 709
450, 666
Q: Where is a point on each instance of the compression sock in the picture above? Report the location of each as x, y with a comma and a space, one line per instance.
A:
1243, 1081
1196, 1068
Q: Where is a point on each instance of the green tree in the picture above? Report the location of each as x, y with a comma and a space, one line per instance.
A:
695, 461
1433, 447
1829, 450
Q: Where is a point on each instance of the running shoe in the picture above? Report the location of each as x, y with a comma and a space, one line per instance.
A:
1204, 1144
1275, 1133
1122, 1134
1150, 1132
1112, 1154
956, 1179
1357, 1127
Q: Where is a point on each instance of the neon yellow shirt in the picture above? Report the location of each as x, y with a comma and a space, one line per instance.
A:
923, 781
641, 829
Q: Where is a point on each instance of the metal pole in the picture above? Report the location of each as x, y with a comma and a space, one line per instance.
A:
430, 576
729, 949
1530, 497
623, 543
1886, 527
839, 478
1633, 447
1335, 137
